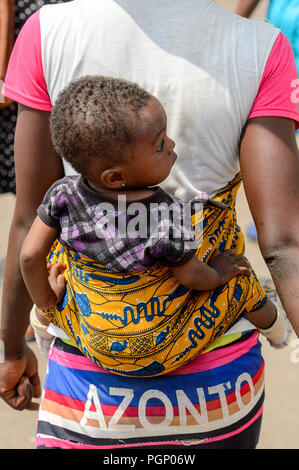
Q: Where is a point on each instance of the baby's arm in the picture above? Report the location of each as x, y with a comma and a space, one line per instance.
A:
46, 289
222, 267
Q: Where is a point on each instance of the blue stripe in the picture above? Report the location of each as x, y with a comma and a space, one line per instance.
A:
75, 382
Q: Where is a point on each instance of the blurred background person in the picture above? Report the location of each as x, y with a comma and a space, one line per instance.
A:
284, 14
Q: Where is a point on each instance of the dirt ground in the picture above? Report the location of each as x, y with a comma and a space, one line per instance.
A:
281, 411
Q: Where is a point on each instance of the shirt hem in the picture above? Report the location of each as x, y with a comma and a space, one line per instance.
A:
47, 220
11, 94
293, 116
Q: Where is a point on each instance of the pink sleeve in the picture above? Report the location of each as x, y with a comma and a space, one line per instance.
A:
277, 92
24, 81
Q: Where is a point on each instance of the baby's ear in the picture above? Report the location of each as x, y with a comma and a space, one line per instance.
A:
112, 178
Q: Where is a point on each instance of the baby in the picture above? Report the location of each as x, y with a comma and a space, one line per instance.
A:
114, 134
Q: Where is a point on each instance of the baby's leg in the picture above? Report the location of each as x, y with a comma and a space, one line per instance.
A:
272, 323
264, 317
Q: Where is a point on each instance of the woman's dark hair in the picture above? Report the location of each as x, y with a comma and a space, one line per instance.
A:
93, 117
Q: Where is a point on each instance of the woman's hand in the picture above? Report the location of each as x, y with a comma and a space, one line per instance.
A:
19, 381
228, 265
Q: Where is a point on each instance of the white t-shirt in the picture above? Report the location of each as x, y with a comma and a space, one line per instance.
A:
203, 63
171, 53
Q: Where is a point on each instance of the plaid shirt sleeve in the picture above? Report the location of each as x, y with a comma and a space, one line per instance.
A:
52, 207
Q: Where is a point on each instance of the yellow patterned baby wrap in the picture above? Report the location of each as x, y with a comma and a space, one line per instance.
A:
143, 324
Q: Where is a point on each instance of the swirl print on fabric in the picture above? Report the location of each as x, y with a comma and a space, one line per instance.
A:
144, 324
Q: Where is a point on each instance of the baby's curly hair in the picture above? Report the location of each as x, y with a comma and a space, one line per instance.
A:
92, 117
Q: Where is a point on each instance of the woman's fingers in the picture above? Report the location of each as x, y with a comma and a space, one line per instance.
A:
24, 394
35, 392
25, 391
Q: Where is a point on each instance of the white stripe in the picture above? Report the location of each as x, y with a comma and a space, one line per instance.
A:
141, 432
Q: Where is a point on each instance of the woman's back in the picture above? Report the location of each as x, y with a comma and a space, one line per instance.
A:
183, 67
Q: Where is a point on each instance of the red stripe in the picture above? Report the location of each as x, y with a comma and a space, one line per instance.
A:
231, 397
64, 400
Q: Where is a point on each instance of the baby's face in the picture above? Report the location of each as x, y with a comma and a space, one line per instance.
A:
152, 156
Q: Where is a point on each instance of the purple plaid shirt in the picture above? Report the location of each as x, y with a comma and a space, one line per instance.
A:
122, 236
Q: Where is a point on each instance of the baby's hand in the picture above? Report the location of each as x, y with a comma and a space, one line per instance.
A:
56, 280
229, 265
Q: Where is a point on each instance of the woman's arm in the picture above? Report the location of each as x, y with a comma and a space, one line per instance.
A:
33, 255
37, 167
246, 7
269, 160
221, 268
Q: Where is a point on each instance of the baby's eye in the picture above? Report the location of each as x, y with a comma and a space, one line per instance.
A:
161, 148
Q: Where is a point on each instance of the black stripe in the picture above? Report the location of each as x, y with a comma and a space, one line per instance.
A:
67, 348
